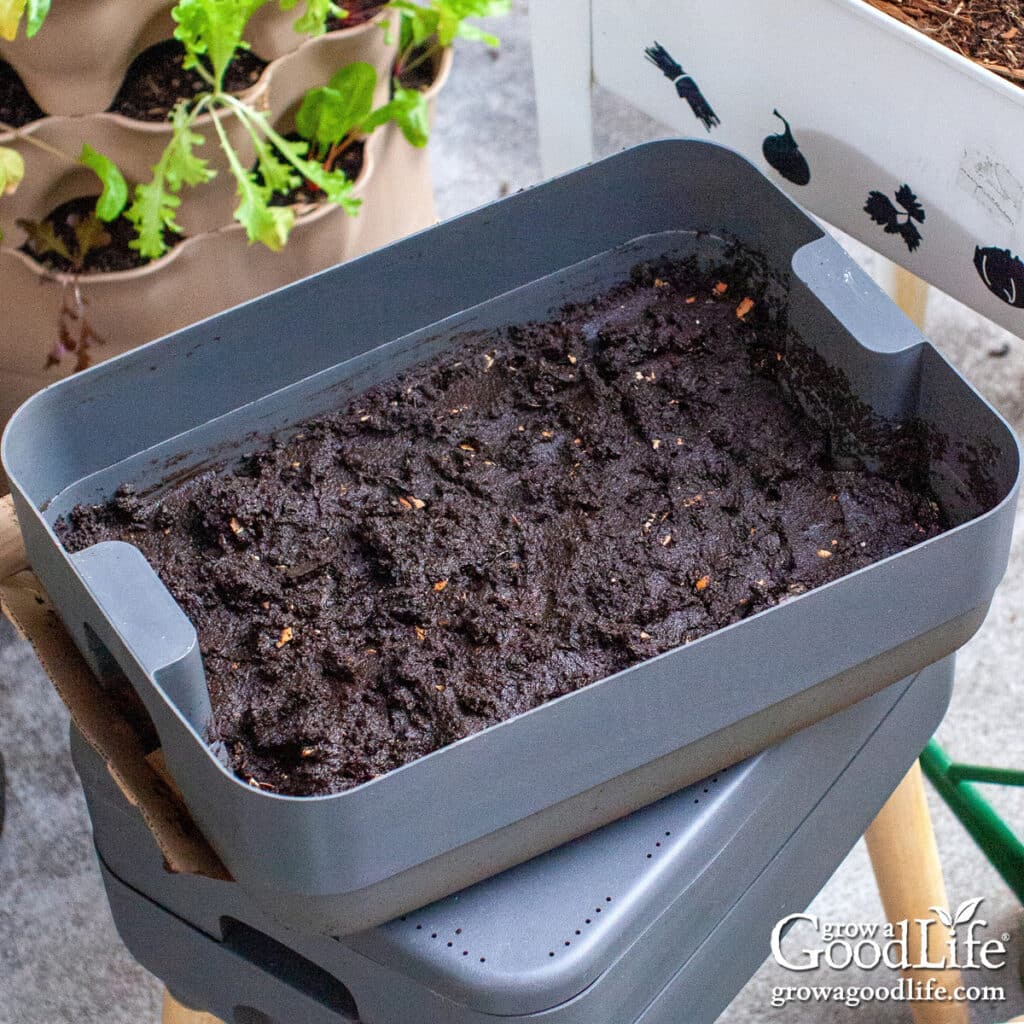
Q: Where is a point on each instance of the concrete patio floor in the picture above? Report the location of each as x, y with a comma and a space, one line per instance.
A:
60, 958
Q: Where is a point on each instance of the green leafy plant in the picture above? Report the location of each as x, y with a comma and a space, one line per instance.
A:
211, 32
12, 11
332, 117
313, 20
115, 188
427, 28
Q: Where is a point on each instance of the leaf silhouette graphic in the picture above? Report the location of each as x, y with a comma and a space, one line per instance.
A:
880, 209
966, 911
910, 234
906, 198
943, 915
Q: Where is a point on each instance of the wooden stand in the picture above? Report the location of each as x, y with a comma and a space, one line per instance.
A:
901, 841
175, 1013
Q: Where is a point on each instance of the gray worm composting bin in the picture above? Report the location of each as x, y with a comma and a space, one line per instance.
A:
344, 862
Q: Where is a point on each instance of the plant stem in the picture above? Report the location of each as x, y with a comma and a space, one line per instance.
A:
25, 136
401, 68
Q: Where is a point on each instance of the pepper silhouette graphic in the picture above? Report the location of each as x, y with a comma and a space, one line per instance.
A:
880, 209
782, 153
686, 87
1002, 272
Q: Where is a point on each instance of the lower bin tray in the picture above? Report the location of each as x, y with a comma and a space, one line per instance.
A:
659, 917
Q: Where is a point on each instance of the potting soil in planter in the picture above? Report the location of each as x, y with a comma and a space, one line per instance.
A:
528, 513
157, 79
358, 12
103, 247
17, 108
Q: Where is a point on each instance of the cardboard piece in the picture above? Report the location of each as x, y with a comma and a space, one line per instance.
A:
141, 778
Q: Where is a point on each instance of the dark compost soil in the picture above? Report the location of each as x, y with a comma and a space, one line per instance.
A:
156, 80
17, 108
113, 255
522, 516
990, 32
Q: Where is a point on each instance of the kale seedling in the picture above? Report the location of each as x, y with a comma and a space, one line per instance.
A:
211, 32
333, 116
428, 28
11, 12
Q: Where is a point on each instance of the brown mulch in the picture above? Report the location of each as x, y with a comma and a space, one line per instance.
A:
989, 32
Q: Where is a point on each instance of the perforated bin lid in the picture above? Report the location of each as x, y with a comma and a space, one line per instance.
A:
541, 933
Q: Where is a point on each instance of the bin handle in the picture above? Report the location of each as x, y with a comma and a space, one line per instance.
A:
146, 633
853, 298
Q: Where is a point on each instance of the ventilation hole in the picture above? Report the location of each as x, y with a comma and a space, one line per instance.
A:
697, 801
465, 952
419, 927
607, 899
578, 932
597, 910
450, 944
706, 790
649, 856
668, 833
433, 935
657, 844
458, 931
483, 959
552, 953
567, 942
587, 921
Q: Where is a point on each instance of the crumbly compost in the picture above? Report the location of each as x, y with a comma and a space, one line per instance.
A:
528, 513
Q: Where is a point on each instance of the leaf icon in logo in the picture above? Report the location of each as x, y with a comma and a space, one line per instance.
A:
966, 911
943, 915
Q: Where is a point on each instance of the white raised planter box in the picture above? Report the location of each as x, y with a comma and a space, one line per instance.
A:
873, 106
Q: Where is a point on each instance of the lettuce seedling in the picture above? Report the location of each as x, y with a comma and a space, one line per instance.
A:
333, 116
11, 12
313, 20
211, 32
427, 28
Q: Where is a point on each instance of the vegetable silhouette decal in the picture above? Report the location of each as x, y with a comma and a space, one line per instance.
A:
1002, 272
686, 87
897, 222
782, 153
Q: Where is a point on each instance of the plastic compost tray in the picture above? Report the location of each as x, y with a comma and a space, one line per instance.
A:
660, 917
347, 861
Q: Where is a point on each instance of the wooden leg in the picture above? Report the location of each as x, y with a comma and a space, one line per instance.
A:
905, 859
175, 1013
910, 293
901, 841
